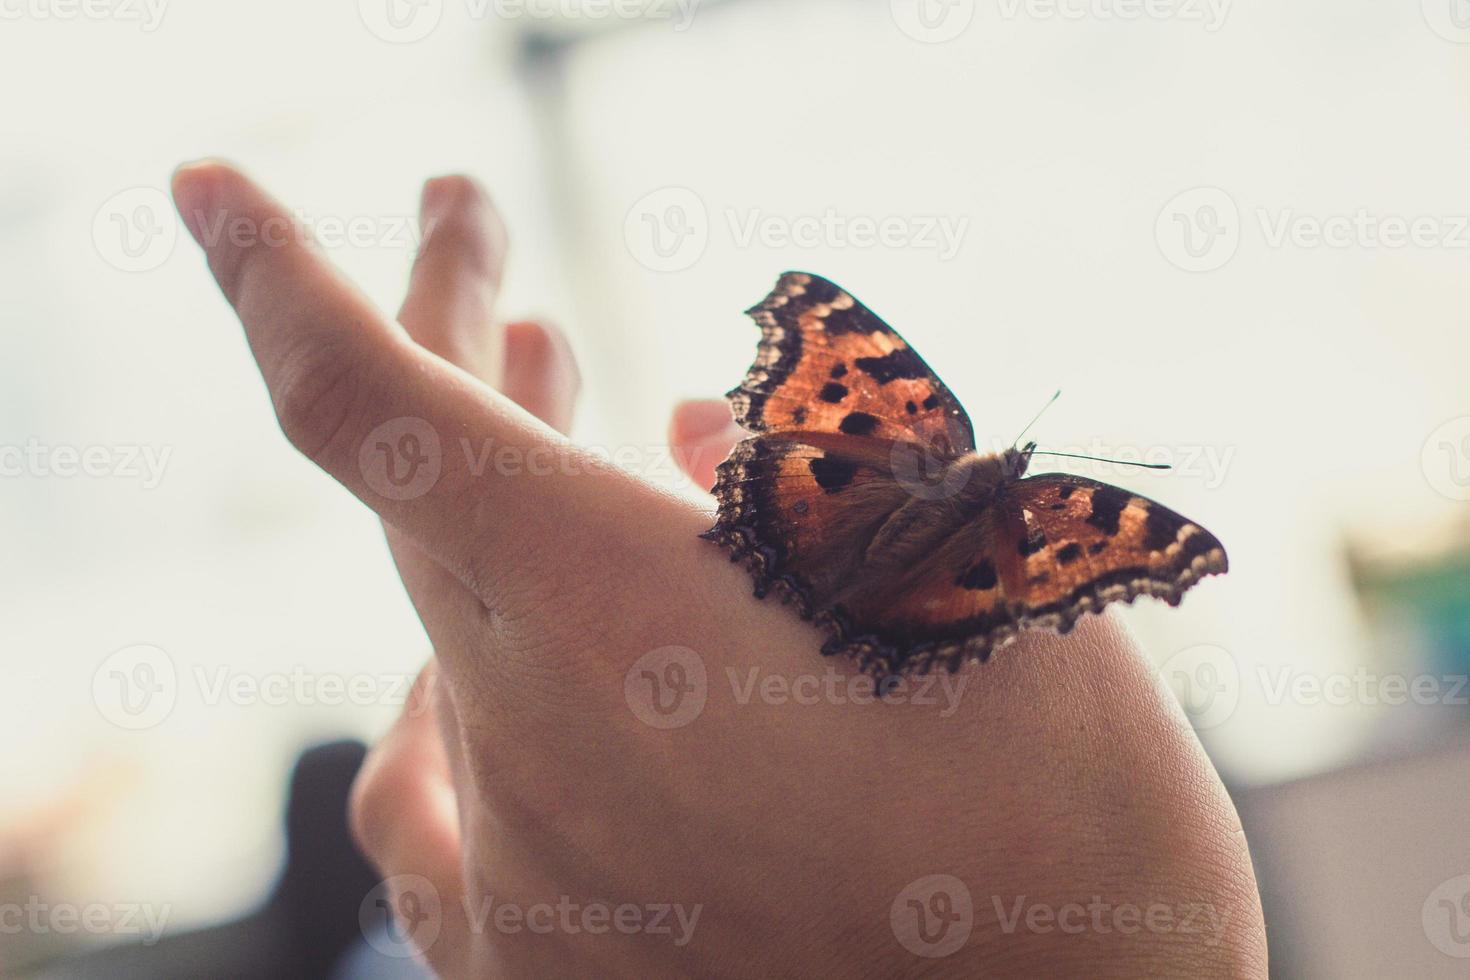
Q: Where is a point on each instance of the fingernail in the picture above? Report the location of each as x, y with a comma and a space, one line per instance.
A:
194, 188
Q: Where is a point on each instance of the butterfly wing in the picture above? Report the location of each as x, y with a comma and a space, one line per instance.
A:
800, 516
1081, 544
833, 394
826, 365
1052, 547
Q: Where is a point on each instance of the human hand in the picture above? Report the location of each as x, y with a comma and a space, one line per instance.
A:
787, 834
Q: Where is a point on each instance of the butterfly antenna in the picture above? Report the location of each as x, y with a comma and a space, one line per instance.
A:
1099, 459
1039, 414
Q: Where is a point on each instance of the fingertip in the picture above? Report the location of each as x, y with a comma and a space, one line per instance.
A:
701, 419
196, 189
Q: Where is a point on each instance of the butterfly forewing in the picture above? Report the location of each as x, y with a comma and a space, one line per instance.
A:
827, 365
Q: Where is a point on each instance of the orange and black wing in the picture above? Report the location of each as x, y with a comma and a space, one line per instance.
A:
827, 366
1051, 548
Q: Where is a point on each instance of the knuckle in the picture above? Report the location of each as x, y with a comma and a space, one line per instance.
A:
316, 394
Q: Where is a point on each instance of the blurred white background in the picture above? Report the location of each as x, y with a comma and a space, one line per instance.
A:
1235, 235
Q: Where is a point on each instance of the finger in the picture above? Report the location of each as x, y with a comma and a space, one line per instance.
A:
541, 373
701, 434
456, 277
404, 816
449, 310
350, 388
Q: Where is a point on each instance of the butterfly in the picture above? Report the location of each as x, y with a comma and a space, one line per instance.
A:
861, 499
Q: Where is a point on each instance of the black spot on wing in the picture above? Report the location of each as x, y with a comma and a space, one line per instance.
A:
839, 369
900, 363
1160, 529
832, 392
911, 408
1031, 543
1066, 491
1097, 547
798, 415
932, 402
978, 578
1107, 507
858, 424
1069, 553
832, 473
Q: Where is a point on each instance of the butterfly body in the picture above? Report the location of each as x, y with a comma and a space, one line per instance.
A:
861, 498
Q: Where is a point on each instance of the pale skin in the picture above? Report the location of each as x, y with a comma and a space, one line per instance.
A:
1061, 776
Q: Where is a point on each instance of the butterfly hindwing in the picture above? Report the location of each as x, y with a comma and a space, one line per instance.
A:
799, 516
828, 365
